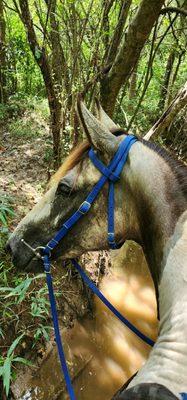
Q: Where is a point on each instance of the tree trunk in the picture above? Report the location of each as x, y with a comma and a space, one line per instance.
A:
166, 81
125, 6
129, 52
179, 102
3, 91
132, 89
52, 79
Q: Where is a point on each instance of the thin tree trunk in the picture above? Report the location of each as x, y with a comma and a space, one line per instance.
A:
129, 52
3, 91
179, 102
132, 89
174, 77
166, 81
125, 6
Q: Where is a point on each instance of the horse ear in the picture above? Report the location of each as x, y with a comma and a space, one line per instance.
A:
98, 134
104, 118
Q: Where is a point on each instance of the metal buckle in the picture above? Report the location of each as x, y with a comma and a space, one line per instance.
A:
111, 238
86, 206
35, 251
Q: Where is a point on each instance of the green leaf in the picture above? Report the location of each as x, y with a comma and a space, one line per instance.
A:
14, 344
20, 290
23, 361
1, 333
7, 210
5, 289
7, 375
45, 334
3, 219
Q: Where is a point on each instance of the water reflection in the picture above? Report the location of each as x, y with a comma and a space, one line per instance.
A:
116, 352
102, 354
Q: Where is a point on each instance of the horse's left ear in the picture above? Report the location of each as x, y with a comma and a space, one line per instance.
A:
98, 134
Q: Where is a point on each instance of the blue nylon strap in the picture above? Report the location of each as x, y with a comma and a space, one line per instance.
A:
102, 168
117, 169
115, 166
96, 291
56, 329
111, 173
111, 206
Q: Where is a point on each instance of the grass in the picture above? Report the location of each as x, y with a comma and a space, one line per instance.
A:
25, 116
33, 121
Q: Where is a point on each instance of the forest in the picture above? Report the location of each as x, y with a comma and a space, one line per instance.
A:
131, 55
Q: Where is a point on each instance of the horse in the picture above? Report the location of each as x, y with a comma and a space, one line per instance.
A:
151, 209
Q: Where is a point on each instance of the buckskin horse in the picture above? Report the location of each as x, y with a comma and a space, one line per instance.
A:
150, 208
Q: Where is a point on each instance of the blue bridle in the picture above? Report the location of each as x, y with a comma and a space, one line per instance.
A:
110, 174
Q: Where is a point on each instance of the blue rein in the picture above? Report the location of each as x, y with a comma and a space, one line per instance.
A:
110, 173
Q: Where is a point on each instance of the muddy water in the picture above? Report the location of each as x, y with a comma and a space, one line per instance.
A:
102, 354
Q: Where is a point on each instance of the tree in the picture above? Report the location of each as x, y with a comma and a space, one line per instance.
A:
3, 92
129, 51
52, 72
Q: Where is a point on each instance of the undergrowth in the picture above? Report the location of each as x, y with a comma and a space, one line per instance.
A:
20, 296
25, 321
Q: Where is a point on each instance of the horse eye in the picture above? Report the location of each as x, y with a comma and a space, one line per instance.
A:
64, 188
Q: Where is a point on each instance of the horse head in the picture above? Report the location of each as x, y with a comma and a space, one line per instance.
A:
68, 189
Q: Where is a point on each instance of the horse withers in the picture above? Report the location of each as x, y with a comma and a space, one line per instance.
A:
150, 208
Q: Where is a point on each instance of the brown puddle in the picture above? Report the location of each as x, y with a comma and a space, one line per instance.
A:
102, 353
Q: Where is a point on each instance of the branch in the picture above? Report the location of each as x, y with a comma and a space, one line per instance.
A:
174, 9
179, 102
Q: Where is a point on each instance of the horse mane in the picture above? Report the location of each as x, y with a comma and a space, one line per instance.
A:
178, 168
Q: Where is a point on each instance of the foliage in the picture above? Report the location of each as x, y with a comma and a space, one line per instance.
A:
75, 39
18, 293
7, 363
5, 209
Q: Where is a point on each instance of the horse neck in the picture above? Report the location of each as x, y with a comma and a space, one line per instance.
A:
160, 208
158, 202
167, 363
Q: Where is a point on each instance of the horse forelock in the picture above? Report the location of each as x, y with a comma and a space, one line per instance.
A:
76, 155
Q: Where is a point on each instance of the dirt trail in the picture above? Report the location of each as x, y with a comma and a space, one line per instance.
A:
23, 169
